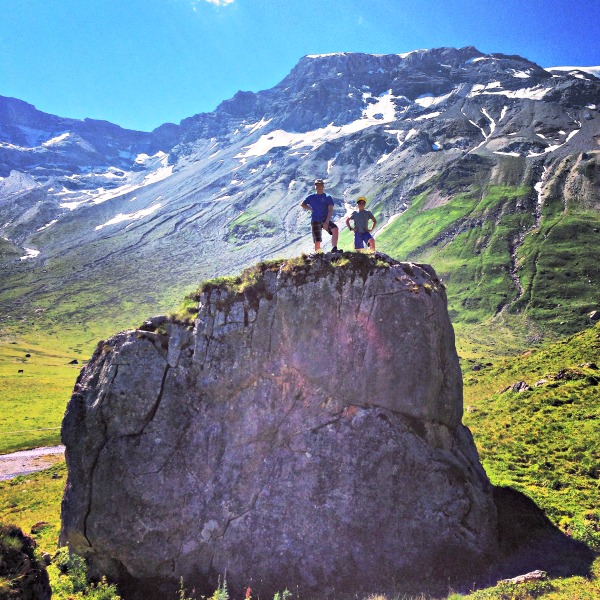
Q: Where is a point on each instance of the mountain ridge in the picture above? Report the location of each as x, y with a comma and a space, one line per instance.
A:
447, 123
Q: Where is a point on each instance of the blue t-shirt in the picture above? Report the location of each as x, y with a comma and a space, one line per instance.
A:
320, 204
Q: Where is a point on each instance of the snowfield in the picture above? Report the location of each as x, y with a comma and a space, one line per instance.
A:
382, 111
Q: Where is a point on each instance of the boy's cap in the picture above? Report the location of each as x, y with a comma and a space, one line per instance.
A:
319, 181
361, 199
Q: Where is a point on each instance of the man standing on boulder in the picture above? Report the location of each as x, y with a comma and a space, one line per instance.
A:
362, 231
321, 206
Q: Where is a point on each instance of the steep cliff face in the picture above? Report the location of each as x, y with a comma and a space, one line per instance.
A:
305, 432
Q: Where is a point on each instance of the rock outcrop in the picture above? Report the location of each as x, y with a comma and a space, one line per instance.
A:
22, 573
303, 433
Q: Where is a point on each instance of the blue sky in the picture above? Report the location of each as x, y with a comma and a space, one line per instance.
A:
141, 63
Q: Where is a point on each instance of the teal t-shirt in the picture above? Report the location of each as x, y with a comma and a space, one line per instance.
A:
361, 220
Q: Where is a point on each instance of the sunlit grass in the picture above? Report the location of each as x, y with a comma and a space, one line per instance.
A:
36, 380
544, 441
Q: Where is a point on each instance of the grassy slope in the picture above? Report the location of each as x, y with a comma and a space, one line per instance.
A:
467, 241
56, 322
561, 278
32, 403
471, 242
35, 499
544, 441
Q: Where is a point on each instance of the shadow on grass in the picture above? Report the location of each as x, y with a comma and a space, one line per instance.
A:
529, 541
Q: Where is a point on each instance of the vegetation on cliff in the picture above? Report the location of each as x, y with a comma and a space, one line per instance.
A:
498, 250
250, 284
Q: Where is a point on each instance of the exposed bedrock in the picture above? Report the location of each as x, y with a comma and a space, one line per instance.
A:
304, 433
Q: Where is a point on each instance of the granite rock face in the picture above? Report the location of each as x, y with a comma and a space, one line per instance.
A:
304, 433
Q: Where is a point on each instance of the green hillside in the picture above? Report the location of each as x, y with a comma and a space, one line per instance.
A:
545, 440
502, 252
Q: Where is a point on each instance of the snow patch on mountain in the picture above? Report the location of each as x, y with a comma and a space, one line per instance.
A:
494, 88
157, 170
429, 100
382, 110
29, 253
16, 182
326, 55
428, 116
47, 225
62, 140
520, 74
140, 214
506, 153
553, 147
57, 140
256, 126
535, 93
411, 134
407, 54
539, 186
594, 71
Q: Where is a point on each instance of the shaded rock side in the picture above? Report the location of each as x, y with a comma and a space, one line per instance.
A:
304, 433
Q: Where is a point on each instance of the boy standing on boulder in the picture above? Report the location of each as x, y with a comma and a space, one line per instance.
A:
361, 218
321, 206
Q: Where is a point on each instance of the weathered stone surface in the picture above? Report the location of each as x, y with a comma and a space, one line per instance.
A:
305, 433
533, 576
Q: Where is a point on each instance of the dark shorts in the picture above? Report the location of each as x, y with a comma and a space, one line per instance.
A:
317, 228
361, 239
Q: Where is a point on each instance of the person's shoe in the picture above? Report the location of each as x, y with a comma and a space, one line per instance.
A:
336, 250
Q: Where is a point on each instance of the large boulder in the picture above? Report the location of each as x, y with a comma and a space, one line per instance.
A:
304, 432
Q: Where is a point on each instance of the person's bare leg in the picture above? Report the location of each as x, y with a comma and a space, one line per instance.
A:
317, 246
334, 237
372, 244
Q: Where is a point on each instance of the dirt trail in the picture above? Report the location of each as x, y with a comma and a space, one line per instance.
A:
29, 461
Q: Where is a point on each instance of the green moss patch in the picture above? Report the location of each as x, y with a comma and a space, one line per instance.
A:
250, 284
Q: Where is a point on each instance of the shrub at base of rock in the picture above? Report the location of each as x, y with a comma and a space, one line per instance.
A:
22, 576
304, 433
